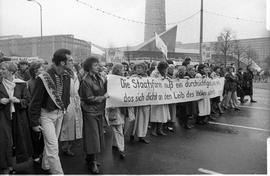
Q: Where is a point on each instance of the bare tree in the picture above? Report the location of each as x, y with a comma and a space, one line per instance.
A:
239, 51
224, 45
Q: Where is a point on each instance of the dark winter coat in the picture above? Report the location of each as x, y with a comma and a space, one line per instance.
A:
248, 83
21, 128
5, 131
91, 88
41, 99
240, 84
14, 129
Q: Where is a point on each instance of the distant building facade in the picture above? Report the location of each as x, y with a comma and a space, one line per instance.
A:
45, 47
260, 45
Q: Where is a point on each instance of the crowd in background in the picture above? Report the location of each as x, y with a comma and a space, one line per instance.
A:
43, 105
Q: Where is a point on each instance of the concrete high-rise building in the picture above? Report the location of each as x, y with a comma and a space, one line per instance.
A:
154, 14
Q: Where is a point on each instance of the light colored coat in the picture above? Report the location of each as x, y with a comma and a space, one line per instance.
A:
204, 104
159, 113
72, 121
115, 116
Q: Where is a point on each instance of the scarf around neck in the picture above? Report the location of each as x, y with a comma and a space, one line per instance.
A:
9, 86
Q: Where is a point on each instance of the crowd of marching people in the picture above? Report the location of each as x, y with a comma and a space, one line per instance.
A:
43, 106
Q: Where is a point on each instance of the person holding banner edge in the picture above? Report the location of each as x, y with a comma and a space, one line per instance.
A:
93, 94
117, 119
142, 113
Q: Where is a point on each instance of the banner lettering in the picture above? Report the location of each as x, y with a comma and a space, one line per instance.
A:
135, 91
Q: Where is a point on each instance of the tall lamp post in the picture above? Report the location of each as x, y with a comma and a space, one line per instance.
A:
201, 31
40, 8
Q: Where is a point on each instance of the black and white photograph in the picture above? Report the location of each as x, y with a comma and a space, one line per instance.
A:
134, 87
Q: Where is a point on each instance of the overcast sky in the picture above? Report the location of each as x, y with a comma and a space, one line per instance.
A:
70, 17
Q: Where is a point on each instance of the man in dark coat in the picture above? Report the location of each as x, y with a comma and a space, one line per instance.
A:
48, 105
240, 84
248, 83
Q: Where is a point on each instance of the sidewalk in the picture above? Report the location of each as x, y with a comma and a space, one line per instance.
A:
262, 85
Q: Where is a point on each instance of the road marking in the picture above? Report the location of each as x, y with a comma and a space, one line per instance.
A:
206, 171
252, 107
239, 126
268, 155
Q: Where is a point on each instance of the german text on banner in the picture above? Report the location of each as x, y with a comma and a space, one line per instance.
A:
135, 91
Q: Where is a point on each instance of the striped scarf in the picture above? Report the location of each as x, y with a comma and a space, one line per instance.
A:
59, 85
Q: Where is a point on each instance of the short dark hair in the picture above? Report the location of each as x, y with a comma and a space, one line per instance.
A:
109, 65
124, 63
34, 66
170, 61
215, 68
60, 56
88, 63
23, 62
162, 65
201, 67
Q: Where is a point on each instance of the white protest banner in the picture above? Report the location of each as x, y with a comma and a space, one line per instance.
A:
135, 91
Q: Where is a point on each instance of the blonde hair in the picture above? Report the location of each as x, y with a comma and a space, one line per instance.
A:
10, 66
116, 69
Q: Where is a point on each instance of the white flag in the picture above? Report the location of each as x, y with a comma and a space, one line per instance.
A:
161, 45
251, 62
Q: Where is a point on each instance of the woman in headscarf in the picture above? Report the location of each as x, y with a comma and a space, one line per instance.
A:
93, 94
14, 122
142, 113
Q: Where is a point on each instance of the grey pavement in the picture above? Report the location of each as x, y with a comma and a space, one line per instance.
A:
239, 149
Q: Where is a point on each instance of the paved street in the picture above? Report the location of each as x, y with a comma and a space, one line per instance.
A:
234, 144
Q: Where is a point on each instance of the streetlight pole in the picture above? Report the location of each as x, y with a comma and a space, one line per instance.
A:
201, 31
40, 8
